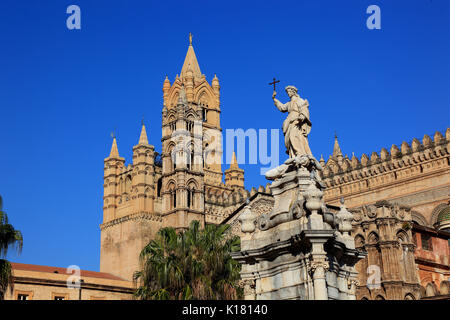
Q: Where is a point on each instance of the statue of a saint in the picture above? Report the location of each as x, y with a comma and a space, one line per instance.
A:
297, 125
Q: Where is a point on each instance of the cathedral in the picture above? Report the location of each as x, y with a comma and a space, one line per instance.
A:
399, 200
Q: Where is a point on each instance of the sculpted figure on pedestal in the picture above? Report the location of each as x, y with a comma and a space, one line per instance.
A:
297, 125
296, 128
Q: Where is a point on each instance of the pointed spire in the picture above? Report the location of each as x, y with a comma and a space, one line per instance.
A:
143, 138
336, 149
114, 150
234, 164
322, 161
191, 62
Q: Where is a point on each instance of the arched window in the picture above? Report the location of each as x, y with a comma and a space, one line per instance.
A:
359, 242
158, 187
409, 296
121, 186
190, 158
174, 199
189, 197
128, 184
188, 161
173, 157
171, 191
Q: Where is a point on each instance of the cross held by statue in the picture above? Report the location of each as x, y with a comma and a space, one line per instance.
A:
275, 81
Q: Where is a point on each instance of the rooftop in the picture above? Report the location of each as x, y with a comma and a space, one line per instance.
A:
59, 270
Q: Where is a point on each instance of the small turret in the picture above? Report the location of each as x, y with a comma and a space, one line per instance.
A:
216, 86
234, 176
166, 88
144, 179
112, 169
322, 161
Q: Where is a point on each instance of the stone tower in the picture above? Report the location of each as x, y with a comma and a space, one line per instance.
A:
191, 143
182, 181
129, 221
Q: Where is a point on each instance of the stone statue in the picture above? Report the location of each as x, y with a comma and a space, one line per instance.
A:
297, 125
296, 128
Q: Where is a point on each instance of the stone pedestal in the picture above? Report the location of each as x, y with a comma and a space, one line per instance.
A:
299, 250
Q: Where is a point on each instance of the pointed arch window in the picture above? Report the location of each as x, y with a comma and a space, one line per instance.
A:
171, 191
174, 199
128, 184
191, 197
174, 160
190, 157
158, 187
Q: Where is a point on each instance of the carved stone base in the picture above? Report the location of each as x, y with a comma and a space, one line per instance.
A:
294, 252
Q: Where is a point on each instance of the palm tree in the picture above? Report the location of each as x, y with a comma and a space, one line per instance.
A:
193, 264
9, 237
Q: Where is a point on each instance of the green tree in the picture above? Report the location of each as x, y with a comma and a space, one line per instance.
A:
9, 237
192, 264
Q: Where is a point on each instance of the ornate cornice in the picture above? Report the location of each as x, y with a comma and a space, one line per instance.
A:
133, 216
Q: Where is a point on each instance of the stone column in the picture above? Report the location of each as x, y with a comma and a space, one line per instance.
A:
318, 271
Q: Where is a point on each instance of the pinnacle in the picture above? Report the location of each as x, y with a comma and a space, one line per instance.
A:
114, 150
191, 64
234, 164
143, 138
337, 149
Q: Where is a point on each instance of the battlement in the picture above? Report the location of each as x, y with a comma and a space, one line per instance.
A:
344, 177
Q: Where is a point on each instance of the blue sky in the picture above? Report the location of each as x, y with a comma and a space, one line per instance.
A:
63, 91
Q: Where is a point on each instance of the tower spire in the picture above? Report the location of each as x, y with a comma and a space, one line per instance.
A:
143, 137
191, 60
336, 149
114, 150
234, 164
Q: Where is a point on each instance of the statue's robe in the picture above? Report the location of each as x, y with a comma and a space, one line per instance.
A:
295, 130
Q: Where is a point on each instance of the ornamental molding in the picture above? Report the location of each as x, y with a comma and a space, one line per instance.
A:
132, 217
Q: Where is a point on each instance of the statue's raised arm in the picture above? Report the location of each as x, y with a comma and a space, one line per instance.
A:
281, 106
